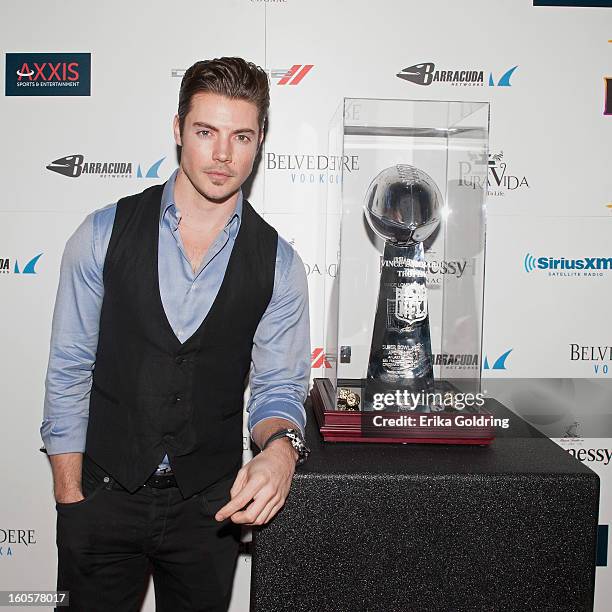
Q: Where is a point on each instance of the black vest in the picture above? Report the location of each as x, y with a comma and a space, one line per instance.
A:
152, 395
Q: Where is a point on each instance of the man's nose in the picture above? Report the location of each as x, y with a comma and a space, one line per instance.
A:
222, 151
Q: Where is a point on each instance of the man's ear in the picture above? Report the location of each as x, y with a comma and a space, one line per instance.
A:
177, 131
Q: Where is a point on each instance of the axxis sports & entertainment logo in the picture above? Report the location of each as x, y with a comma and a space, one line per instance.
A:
283, 76
29, 267
565, 266
75, 165
48, 74
425, 73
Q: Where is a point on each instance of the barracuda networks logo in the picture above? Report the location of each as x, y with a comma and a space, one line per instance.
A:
425, 73
75, 165
564, 266
498, 364
28, 268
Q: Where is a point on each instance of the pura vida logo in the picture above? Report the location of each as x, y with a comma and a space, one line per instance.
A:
566, 266
500, 180
426, 73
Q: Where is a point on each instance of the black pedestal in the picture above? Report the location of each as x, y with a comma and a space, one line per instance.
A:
429, 528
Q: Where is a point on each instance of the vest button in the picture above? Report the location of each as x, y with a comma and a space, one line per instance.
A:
177, 398
180, 360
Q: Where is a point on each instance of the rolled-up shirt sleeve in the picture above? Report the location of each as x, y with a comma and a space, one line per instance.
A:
280, 370
74, 339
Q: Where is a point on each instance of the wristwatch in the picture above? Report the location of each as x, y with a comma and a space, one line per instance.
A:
297, 441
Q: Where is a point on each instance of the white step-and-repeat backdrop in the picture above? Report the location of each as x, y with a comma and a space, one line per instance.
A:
546, 74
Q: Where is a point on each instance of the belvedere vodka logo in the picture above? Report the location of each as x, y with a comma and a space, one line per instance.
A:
13, 540
599, 357
500, 178
321, 269
311, 168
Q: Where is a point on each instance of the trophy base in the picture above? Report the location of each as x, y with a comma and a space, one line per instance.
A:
471, 425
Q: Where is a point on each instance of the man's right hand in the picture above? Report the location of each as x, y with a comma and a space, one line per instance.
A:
67, 470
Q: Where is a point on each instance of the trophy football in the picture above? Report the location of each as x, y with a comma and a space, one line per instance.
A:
401, 337
403, 206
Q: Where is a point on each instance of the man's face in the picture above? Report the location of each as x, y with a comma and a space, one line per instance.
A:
219, 144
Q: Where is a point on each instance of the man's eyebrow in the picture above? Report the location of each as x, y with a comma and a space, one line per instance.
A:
202, 124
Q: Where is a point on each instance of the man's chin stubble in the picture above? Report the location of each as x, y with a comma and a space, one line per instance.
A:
216, 199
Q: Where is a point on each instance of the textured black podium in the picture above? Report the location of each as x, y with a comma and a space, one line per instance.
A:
429, 528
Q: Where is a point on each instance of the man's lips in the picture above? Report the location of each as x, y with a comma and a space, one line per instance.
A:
215, 173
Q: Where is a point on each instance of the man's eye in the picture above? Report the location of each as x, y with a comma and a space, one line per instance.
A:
243, 138
203, 133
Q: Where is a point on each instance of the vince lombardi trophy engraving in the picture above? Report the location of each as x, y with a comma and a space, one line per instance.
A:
403, 206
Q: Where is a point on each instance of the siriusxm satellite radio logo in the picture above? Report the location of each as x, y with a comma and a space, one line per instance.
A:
565, 266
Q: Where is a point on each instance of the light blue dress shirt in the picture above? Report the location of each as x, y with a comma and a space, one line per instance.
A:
280, 368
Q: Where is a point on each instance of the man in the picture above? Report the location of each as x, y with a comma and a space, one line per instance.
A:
173, 294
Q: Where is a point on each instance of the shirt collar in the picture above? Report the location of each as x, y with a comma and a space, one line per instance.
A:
170, 213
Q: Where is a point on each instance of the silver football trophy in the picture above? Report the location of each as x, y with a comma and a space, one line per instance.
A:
403, 206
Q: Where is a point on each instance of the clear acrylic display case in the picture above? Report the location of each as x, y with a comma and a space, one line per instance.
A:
447, 140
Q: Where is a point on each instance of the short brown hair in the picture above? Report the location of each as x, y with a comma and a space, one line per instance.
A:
232, 77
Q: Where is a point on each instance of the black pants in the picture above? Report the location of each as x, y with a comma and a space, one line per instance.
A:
111, 541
